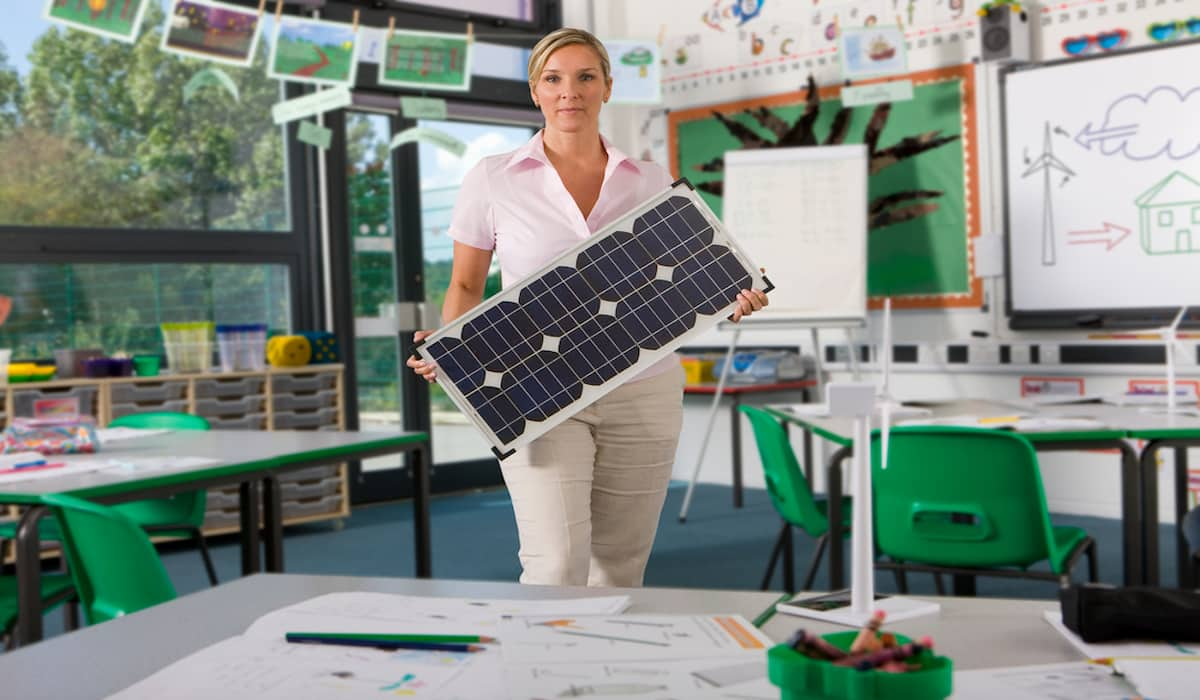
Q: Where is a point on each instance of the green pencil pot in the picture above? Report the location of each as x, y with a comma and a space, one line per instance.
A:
802, 678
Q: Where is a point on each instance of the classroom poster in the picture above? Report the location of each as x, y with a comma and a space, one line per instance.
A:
432, 60
312, 51
212, 31
115, 19
636, 71
922, 186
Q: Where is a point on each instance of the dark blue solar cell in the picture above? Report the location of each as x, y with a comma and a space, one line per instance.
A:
559, 301
498, 412
674, 239
616, 265
502, 336
706, 283
694, 219
456, 362
542, 386
655, 314
599, 350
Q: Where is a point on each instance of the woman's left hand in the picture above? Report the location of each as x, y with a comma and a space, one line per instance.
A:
749, 301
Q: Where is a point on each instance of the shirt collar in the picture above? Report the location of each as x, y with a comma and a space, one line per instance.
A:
535, 150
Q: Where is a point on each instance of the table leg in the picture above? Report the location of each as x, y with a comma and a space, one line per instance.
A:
248, 507
1183, 557
735, 435
833, 490
272, 518
420, 471
1148, 515
29, 574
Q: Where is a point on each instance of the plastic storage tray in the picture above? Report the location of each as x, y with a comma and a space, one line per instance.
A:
142, 392
301, 490
222, 499
305, 402
230, 407
232, 387
286, 420
23, 399
802, 678
325, 505
310, 473
302, 383
124, 409
252, 421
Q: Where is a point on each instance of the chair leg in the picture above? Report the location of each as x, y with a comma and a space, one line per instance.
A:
71, 615
1093, 575
814, 563
938, 585
775, 551
208, 562
901, 580
789, 562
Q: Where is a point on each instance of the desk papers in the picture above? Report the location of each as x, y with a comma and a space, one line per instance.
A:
1079, 680
260, 664
107, 435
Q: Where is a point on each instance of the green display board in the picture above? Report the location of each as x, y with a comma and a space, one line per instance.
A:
923, 261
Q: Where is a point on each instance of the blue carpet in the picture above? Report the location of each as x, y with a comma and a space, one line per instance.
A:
474, 537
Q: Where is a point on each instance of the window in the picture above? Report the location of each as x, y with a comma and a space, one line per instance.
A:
97, 133
1196, 215
117, 307
1166, 217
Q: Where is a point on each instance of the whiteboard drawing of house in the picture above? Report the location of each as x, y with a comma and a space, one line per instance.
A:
1169, 216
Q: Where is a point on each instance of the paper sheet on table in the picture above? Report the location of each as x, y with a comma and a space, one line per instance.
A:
391, 613
34, 474
1059, 399
107, 435
742, 675
245, 667
1162, 679
821, 410
1114, 650
579, 638
1019, 422
1078, 680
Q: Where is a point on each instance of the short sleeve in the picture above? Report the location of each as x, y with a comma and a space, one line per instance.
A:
472, 222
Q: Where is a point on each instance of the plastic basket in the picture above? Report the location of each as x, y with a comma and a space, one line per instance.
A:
800, 677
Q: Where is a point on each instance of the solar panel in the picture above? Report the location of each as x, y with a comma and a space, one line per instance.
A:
544, 349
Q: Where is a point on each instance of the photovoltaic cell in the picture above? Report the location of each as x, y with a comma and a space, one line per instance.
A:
544, 349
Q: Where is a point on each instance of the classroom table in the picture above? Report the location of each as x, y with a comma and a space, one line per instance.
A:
1111, 437
242, 457
106, 658
735, 392
1162, 432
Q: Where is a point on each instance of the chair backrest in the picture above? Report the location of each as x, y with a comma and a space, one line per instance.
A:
116, 569
961, 497
786, 483
170, 420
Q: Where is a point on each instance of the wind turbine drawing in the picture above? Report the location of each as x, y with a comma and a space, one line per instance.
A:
1045, 163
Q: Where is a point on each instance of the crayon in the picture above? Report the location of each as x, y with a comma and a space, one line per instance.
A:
868, 639
875, 659
814, 645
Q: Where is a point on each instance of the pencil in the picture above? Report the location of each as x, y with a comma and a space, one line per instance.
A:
426, 638
765, 616
378, 643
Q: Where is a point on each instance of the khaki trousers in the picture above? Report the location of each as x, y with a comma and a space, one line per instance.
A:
588, 493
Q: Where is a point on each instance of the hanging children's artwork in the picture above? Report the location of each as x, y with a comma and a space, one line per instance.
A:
212, 31
431, 60
115, 19
312, 51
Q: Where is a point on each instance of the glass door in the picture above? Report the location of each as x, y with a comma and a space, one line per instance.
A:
455, 440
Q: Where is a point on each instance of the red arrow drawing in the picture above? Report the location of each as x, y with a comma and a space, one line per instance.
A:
1111, 235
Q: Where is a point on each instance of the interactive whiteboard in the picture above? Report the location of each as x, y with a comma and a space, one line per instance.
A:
802, 213
1102, 167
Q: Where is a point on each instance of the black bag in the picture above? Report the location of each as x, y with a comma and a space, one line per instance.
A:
1102, 613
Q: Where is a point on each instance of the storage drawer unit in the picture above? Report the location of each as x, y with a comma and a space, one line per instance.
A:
302, 383
148, 392
228, 387
306, 420
305, 402
23, 399
230, 407
124, 409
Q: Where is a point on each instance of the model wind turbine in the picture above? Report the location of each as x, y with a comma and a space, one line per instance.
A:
1045, 163
861, 401
1170, 339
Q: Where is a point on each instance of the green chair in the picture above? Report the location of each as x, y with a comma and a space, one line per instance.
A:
968, 501
180, 515
55, 590
791, 496
116, 569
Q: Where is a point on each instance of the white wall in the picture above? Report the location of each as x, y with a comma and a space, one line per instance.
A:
1087, 483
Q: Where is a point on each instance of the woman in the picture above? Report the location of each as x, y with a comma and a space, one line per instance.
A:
588, 493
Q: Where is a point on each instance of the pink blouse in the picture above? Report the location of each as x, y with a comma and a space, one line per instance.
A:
515, 203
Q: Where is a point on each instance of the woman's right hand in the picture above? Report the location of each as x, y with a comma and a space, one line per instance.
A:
424, 369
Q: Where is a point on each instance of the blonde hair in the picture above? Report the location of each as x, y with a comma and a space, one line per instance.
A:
559, 38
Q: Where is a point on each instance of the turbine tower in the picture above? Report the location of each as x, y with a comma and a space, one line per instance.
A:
1046, 162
